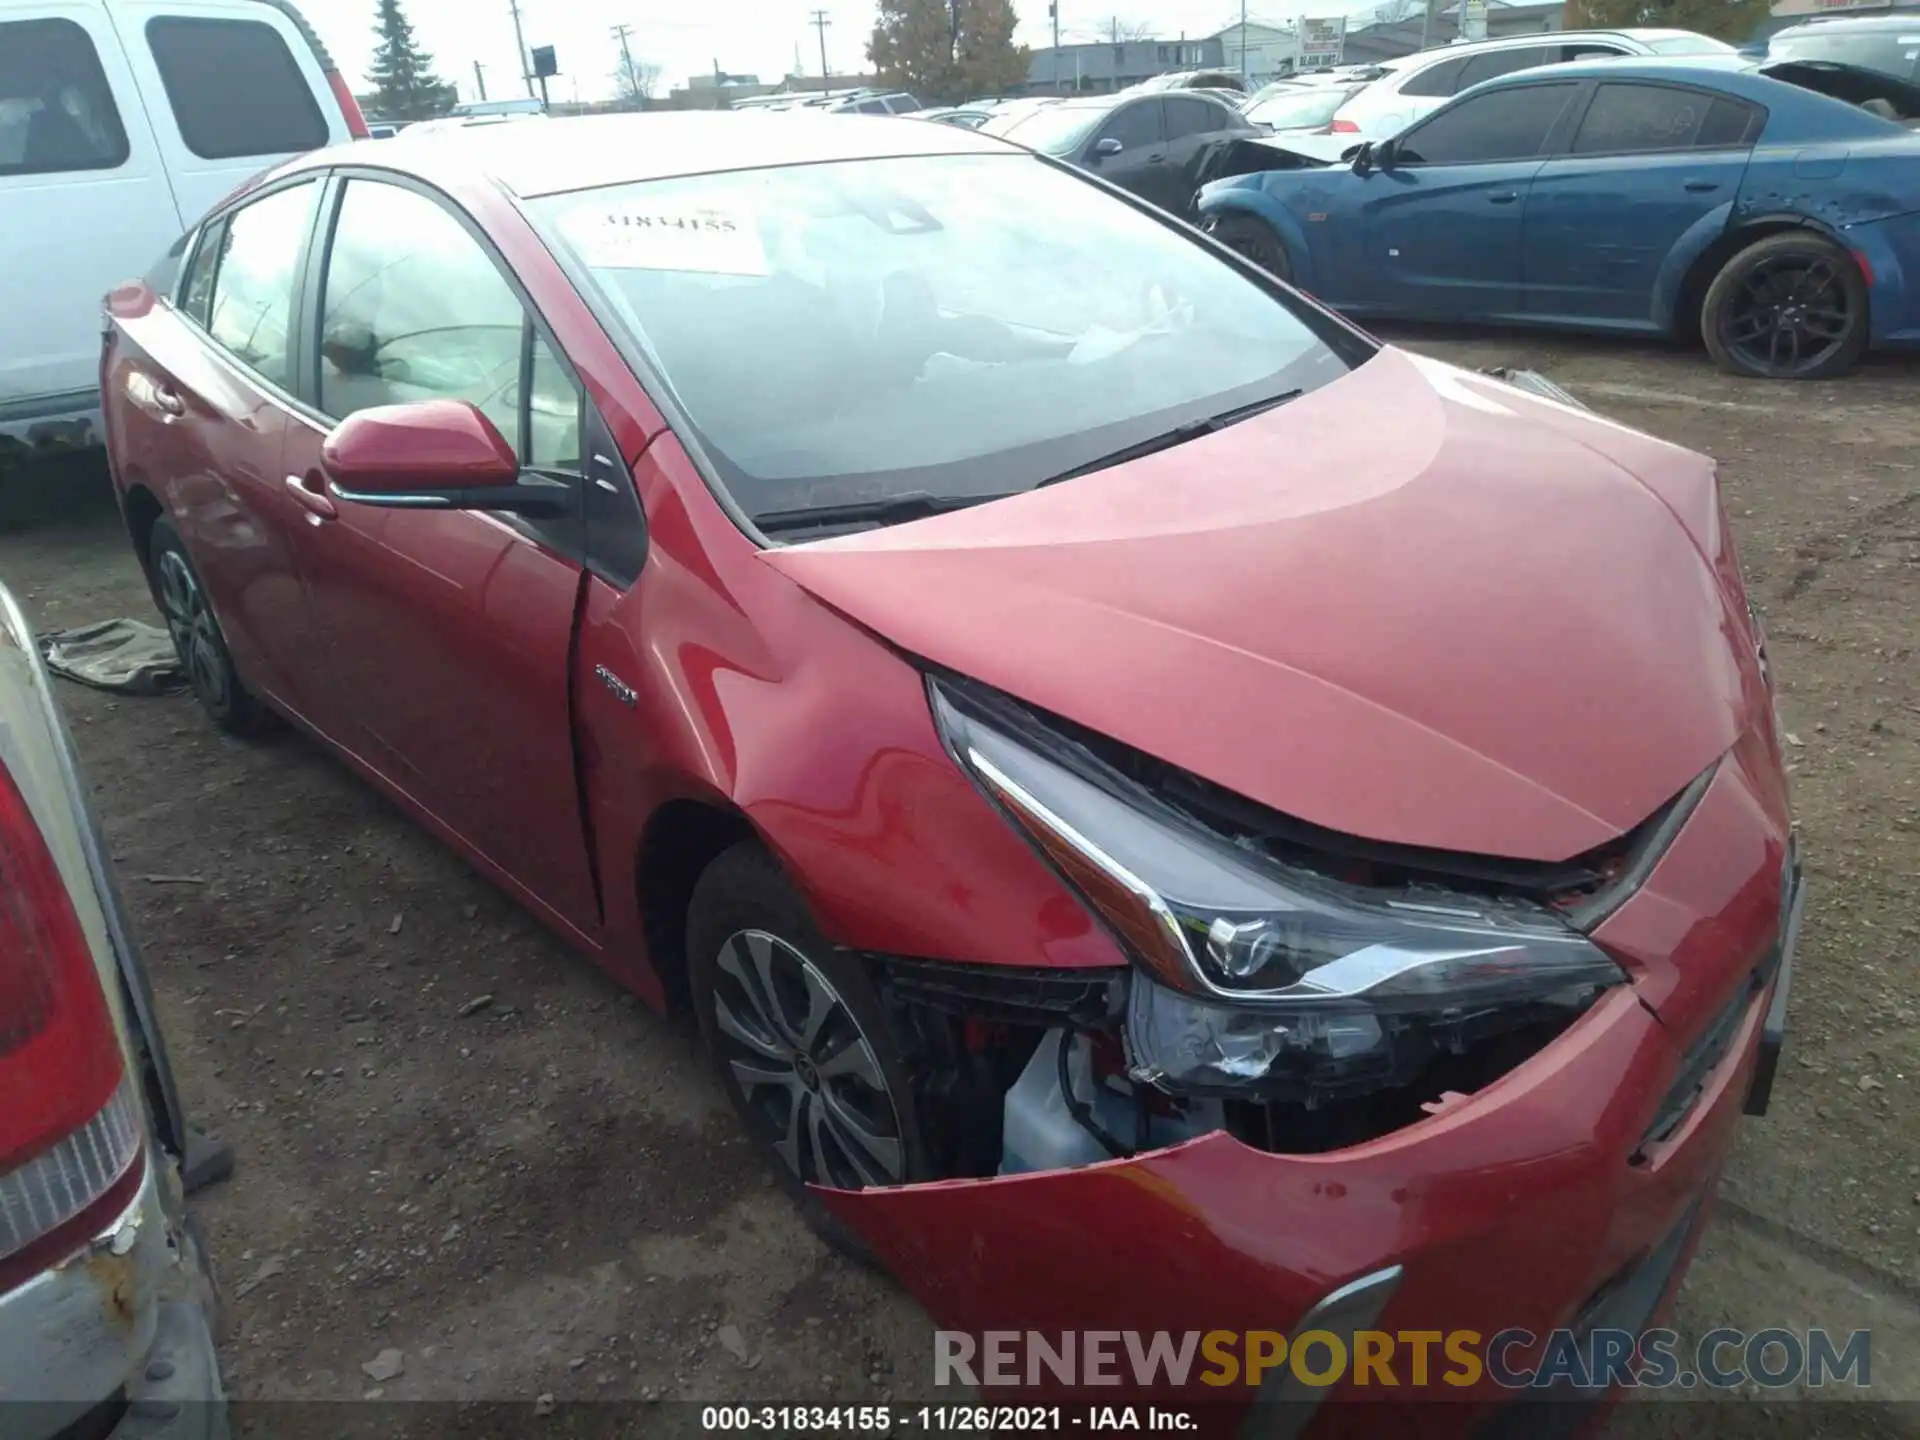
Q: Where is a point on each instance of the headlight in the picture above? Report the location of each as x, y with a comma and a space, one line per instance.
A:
1260, 960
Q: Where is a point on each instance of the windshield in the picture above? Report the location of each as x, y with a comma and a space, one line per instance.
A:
1302, 108
1688, 45
1052, 130
950, 326
1893, 52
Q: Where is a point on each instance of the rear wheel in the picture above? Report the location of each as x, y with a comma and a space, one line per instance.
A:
1789, 307
802, 1043
197, 638
1254, 238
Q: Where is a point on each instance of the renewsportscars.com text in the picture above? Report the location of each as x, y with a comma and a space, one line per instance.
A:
1459, 1359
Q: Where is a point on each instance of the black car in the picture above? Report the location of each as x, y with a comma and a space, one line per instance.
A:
1889, 43
1156, 144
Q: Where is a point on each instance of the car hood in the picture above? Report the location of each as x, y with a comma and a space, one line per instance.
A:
1417, 605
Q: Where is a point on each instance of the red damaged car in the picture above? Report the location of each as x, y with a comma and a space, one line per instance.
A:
1170, 814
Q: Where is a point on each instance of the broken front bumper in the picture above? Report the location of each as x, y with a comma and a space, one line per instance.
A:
1513, 1208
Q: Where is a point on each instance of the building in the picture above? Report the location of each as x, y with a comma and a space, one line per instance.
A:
1098, 69
1390, 39
1259, 52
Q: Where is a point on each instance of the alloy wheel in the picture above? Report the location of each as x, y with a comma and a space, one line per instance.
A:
811, 1079
196, 638
1791, 313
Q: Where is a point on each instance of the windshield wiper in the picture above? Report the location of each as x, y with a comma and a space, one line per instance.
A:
890, 510
1178, 435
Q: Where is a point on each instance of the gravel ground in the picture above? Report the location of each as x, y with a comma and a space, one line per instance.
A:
544, 1193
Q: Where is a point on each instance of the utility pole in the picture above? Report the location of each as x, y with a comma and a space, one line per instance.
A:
1114, 29
621, 32
1053, 12
520, 47
820, 23
480, 78
1243, 41
1426, 24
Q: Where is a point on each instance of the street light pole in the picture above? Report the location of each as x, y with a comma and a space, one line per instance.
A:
1243, 41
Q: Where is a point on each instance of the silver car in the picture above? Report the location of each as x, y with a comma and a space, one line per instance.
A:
107, 1304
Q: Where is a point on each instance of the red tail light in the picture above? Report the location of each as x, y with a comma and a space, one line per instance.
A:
69, 1123
1343, 127
350, 107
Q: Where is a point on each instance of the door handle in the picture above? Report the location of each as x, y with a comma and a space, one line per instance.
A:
1158, 159
315, 501
1503, 197
1702, 187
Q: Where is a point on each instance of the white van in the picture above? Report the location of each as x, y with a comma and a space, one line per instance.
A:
121, 122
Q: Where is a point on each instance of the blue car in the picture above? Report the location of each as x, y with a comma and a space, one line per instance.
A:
1682, 198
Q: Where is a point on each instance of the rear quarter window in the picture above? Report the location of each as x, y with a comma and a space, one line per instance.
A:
235, 88
56, 108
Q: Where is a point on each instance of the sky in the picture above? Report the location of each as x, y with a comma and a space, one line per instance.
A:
684, 36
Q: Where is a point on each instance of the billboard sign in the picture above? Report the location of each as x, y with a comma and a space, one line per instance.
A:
1322, 42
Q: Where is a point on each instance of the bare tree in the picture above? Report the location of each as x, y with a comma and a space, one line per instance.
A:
635, 81
1119, 31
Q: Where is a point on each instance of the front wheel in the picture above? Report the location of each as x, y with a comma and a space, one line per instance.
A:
1254, 238
802, 1043
1789, 307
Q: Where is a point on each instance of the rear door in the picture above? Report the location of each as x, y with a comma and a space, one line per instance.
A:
1196, 125
232, 86
84, 201
448, 633
1442, 224
1647, 166
210, 403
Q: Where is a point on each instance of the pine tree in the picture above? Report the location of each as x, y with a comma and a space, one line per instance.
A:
404, 85
947, 49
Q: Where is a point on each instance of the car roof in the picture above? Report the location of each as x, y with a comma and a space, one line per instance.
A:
587, 151
1898, 20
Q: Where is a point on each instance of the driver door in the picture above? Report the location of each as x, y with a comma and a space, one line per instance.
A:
1140, 164
1442, 220
447, 633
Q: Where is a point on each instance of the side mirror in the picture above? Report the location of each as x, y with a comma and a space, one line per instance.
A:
1363, 159
431, 455
1105, 147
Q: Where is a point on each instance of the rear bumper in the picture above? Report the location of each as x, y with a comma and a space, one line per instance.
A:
121, 1317
50, 424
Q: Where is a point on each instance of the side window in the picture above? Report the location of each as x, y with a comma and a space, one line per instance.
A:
1493, 63
1510, 124
553, 414
1587, 50
56, 108
1187, 115
257, 260
1631, 119
196, 294
1135, 126
412, 308
873, 107
1441, 79
234, 88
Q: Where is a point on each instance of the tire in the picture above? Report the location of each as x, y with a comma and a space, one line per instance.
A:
1254, 238
197, 637
757, 968
1790, 307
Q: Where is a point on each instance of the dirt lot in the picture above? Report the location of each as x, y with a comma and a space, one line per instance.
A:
547, 1196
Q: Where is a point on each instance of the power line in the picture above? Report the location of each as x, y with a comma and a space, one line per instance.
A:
820, 23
